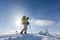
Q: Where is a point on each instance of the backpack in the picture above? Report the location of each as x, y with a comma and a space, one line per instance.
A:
24, 20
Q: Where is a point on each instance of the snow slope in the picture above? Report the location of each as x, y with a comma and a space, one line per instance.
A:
27, 37
20, 37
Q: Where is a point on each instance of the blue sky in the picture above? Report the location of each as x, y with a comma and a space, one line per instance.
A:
43, 14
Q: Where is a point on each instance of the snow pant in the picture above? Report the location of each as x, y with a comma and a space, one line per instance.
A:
24, 29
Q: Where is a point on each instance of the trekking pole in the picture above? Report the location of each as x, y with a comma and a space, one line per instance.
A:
30, 28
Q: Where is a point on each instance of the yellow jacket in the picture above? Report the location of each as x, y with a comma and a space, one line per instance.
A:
24, 20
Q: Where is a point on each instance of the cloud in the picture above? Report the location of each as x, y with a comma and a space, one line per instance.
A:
39, 22
56, 33
57, 24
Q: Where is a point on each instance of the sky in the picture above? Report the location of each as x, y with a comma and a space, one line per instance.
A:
43, 14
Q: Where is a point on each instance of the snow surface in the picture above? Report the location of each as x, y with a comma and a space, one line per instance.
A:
28, 37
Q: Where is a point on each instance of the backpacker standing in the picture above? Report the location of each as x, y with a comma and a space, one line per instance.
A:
25, 22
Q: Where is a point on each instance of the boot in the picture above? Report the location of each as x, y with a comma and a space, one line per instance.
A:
25, 32
21, 33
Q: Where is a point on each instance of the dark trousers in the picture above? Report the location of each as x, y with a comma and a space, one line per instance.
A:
24, 29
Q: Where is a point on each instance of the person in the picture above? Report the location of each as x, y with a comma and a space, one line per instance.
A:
25, 22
